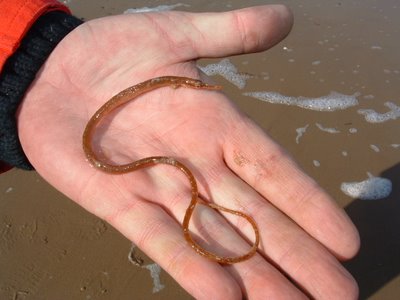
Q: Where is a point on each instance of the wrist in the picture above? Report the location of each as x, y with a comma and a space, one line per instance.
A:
19, 72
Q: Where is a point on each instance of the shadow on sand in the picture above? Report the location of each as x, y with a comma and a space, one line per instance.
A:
378, 222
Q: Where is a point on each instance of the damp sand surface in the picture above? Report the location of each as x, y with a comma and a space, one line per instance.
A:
329, 93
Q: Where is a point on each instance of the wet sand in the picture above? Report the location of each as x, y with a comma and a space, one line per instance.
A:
50, 248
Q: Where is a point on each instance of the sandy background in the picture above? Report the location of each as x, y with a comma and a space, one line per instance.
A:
52, 249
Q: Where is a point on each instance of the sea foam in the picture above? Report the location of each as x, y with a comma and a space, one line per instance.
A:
327, 129
331, 102
154, 9
227, 70
300, 131
373, 188
374, 117
155, 271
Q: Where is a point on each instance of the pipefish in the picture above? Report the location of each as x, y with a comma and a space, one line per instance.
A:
128, 95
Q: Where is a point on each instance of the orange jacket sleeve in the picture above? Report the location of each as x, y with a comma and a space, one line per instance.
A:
16, 17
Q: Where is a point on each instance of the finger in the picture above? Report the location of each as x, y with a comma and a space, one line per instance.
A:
239, 31
284, 243
267, 168
161, 238
261, 280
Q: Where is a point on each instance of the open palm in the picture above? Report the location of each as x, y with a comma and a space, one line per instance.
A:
236, 164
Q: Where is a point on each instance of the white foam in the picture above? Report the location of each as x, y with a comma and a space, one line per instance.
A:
227, 70
344, 153
373, 188
327, 129
300, 131
316, 163
155, 271
375, 148
154, 9
331, 102
374, 117
395, 145
353, 130
287, 49
369, 97
9, 190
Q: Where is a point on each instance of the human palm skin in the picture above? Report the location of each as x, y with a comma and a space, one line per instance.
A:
303, 232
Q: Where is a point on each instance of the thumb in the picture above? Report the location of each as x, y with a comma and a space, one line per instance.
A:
241, 31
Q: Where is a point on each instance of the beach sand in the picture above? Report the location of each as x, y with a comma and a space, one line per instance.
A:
50, 248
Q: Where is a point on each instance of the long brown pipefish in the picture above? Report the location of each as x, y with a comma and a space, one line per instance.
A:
128, 95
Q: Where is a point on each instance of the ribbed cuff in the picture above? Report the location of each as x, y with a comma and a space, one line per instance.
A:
19, 72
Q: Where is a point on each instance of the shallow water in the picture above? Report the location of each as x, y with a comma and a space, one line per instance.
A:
53, 249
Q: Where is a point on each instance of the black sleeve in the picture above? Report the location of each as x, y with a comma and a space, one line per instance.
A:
19, 72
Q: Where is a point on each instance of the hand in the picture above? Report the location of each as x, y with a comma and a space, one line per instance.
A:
302, 230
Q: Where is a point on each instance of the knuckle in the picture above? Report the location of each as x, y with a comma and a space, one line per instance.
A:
266, 168
152, 229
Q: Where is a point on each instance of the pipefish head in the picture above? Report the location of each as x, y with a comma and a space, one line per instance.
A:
198, 84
